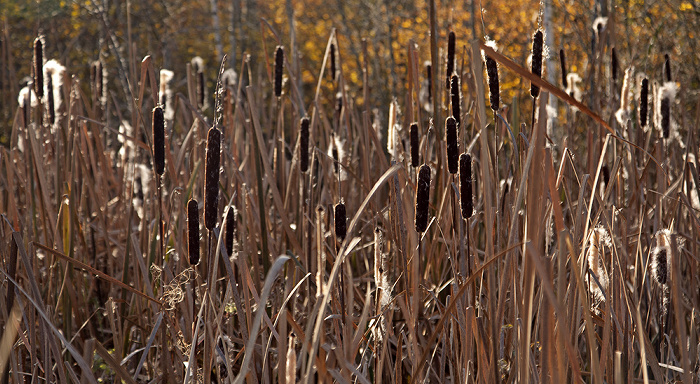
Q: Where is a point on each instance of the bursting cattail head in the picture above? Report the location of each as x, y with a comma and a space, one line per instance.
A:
465, 185
422, 198
455, 94
613, 64
340, 221
537, 51
304, 144
333, 65
452, 144
97, 76
450, 55
290, 370
415, 144
166, 94
53, 75
661, 258
644, 102
38, 67
598, 241
193, 231
279, 67
230, 228
665, 97
622, 114
211, 181
492, 72
667, 67
198, 67
158, 141
562, 59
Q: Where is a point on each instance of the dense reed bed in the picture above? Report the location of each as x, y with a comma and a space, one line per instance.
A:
249, 233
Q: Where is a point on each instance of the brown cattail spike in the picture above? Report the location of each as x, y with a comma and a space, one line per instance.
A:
450, 56
415, 144
158, 140
494, 89
562, 59
667, 67
644, 102
211, 181
230, 228
613, 64
333, 65
193, 231
537, 48
452, 145
422, 198
340, 221
455, 93
51, 102
665, 116
465, 185
659, 265
279, 64
200, 88
304, 144
429, 76
39, 67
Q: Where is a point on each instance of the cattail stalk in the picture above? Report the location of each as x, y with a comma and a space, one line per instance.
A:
158, 140
39, 67
211, 181
422, 198
304, 144
455, 93
279, 67
450, 56
452, 144
644, 102
320, 254
193, 231
415, 145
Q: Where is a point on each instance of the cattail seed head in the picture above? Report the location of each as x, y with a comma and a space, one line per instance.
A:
598, 241
333, 65
452, 144
613, 63
667, 67
158, 140
562, 59
455, 93
279, 65
38, 67
659, 269
665, 96
429, 77
644, 102
415, 144
230, 228
422, 198
49, 94
665, 116
340, 221
193, 231
450, 56
304, 144
211, 181
494, 90
465, 186
537, 49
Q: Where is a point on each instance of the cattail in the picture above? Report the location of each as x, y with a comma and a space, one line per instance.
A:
158, 140
193, 231
211, 181
51, 102
562, 59
415, 144
644, 102
429, 76
97, 77
622, 114
340, 221
166, 94
494, 90
198, 66
613, 64
665, 95
230, 228
279, 63
422, 198
320, 254
39, 66
598, 240
304, 144
455, 93
465, 185
53, 74
450, 56
661, 264
291, 368
667, 66
452, 145
537, 49
333, 68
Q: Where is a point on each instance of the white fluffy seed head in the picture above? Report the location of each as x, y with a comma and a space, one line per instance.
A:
598, 242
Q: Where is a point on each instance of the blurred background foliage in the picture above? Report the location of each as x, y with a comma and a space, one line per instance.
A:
174, 31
